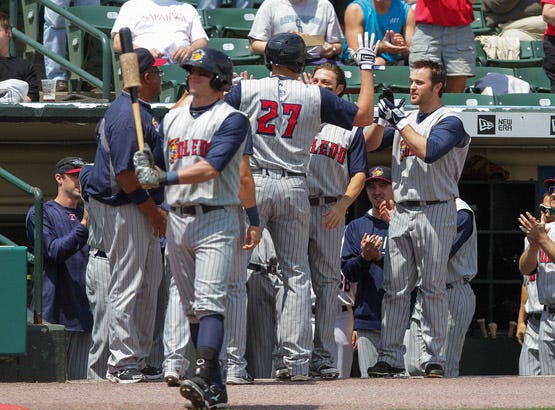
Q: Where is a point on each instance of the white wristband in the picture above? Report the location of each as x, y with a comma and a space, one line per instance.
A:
382, 122
402, 124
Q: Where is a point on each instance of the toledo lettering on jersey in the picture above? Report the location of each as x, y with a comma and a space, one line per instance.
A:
178, 149
329, 149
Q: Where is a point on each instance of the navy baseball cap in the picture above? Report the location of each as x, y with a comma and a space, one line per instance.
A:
69, 165
379, 172
549, 182
147, 61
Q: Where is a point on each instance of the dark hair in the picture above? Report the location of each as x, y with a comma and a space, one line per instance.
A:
438, 74
339, 74
5, 21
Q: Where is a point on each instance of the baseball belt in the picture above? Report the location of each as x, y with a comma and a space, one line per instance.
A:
421, 203
270, 269
322, 200
195, 209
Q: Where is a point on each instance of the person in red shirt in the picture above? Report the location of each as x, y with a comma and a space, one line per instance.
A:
548, 14
443, 34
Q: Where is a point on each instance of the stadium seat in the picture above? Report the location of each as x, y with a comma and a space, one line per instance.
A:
479, 24
395, 77
481, 56
536, 77
466, 99
173, 82
228, 22
257, 70
82, 48
527, 100
530, 56
238, 49
32, 25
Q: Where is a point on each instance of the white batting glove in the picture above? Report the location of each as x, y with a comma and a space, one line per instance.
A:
365, 56
150, 177
143, 158
393, 114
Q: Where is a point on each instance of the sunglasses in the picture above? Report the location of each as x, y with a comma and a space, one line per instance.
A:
159, 72
547, 210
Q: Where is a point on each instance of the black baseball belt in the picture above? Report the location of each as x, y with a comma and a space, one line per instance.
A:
270, 269
421, 203
322, 200
194, 209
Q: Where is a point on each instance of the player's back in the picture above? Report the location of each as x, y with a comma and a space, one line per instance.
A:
285, 116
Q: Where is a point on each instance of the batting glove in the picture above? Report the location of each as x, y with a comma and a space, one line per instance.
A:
365, 56
150, 177
143, 158
382, 120
394, 114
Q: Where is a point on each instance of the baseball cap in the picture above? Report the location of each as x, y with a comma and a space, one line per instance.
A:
548, 182
379, 172
69, 165
147, 61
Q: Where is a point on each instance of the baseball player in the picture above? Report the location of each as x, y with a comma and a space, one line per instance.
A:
131, 222
336, 175
461, 269
536, 261
65, 233
362, 255
285, 116
204, 142
429, 151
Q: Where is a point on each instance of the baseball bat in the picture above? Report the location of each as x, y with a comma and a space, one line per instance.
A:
482, 323
131, 80
492, 330
512, 327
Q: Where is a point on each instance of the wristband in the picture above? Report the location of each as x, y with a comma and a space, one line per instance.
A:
139, 196
171, 179
252, 214
382, 122
402, 124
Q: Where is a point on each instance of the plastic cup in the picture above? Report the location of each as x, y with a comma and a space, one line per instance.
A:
48, 90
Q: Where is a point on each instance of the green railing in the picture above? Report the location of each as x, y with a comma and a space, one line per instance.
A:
36, 193
103, 84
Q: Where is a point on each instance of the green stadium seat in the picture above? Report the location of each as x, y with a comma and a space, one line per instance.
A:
527, 100
481, 56
228, 22
173, 82
536, 77
83, 49
238, 49
466, 99
257, 70
395, 77
32, 25
479, 24
530, 56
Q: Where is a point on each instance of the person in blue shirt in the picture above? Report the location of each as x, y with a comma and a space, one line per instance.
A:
362, 258
65, 233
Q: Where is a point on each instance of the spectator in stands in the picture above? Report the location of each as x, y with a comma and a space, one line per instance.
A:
54, 39
548, 14
216, 4
392, 21
314, 20
13, 67
443, 34
168, 28
65, 248
515, 18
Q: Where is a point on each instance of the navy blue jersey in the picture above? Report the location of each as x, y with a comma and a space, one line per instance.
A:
368, 275
64, 300
117, 142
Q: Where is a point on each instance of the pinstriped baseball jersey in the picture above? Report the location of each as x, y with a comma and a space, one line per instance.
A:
464, 263
328, 169
546, 274
186, 141
532, 304
413, 179
285, 115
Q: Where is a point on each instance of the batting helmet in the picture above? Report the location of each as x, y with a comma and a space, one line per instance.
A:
286, 50
214, 61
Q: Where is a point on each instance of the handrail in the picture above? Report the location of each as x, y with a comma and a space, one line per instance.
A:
7, 241
104, 84
38, 262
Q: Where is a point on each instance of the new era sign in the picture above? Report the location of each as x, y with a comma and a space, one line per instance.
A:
486, 125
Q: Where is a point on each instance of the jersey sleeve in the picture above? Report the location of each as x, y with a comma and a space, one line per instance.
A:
337, 111
197, 31
356, 154
353, 265
445, 135
124, 19
233, 97
227, 140
464, 230
248, 145
123, 144
262, 25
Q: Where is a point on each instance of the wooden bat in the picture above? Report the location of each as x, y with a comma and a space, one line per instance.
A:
131, 79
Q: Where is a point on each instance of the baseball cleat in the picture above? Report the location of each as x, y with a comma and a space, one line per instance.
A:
300, 378
126, 376
325, 372
283, 373
203, 398
434, 370
152, 373
383, 369
171, 378
246, 379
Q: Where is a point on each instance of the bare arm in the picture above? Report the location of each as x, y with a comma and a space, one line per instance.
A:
522, 316
373, 136
548, 13
182, 53
247, 195
416, 142
529, 259
354, 18
365, 102
258, 47
199, 172
336, 213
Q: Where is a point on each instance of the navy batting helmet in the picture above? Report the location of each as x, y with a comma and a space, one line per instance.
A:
286, 50
214, 61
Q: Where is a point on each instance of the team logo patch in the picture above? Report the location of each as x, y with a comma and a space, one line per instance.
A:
376, 172
404, 150
172, 149
197, 55
486, 124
